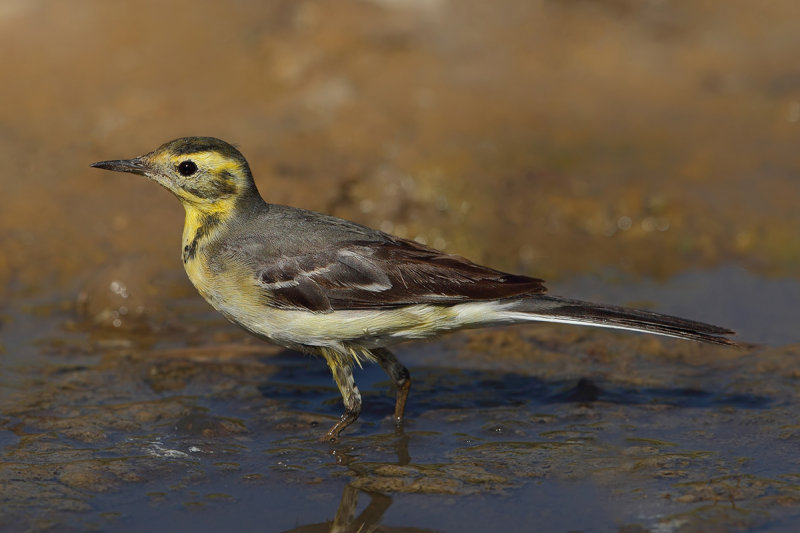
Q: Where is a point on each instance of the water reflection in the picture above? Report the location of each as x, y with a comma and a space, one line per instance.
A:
346, 520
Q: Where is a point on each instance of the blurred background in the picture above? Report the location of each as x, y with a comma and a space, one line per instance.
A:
637, 151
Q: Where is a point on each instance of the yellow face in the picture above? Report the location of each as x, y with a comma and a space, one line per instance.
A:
203, 172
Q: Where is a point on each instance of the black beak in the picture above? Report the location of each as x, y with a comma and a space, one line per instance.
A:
134, 166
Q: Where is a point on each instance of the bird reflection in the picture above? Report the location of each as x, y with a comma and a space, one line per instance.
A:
368, 520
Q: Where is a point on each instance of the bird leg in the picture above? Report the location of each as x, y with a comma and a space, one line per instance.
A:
400, 377
343, 376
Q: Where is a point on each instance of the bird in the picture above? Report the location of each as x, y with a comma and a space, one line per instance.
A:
340, 290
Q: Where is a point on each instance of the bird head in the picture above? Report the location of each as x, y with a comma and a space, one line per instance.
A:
205, 173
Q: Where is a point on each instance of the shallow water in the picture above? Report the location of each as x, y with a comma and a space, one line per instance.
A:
549, 427
633, 153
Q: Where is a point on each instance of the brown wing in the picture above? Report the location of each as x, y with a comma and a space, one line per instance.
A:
384, 274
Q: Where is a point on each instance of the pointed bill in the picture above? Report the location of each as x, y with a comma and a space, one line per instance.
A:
133, 166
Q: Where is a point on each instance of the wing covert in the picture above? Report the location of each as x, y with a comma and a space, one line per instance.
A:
383, 275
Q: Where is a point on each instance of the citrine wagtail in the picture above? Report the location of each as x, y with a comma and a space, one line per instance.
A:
334, 288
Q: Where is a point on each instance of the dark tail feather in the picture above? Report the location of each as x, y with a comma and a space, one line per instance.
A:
555, 309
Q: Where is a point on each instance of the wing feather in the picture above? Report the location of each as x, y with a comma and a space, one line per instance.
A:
384, 274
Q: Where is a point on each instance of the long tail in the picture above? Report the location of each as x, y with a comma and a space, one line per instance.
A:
562, 310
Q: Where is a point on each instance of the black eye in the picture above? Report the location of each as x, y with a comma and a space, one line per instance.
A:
187, 168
